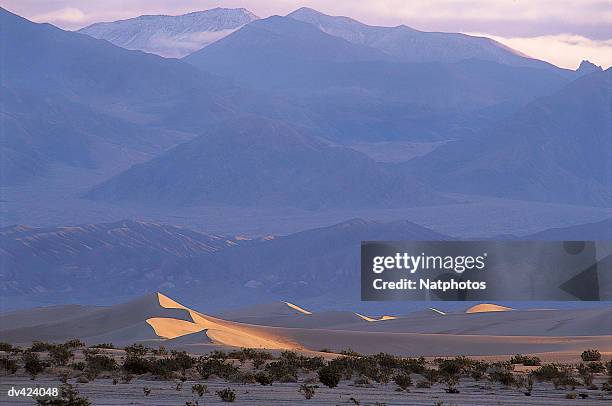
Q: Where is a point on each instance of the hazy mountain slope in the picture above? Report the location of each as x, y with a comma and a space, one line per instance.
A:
410, 45
355, 91
85, 92
171, 36
104, 263
317, 268
557, 148
110, 259
258, 162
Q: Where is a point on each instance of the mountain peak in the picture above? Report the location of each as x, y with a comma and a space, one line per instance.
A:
172, 36
587, 66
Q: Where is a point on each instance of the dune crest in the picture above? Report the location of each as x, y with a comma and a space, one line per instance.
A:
298, 308
372, 319
487, 307
217, 330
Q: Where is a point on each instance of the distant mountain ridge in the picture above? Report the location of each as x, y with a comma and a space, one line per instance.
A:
99, 263
357, 92
264, 163
411, 45
95, 256
171, 36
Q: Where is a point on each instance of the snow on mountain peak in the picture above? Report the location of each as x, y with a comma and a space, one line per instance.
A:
172, 36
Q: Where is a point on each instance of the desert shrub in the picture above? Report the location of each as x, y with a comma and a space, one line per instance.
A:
216, 354
478, 370
137, 350
68, 396
78, 366
32, 363
8, 365
199, 389
386, 361
525, 360
41, 346
96, 363
241, 377
242, 355
282, 369
160, 351
596, 367
308, 391
181, 360
329, 376
6, 347
571, 395
226, 395
349, 352
146, 391
134, 364
312, 363
105, 346
565, 378
177, 361
431, 375
74, 343
412, 365
263, 378
586, 374
590, 355
559, 375
454, 369
522, 381
207, 366
258, 357
403, 381
503, 377
546, 372
451, 384
60, 354
451, 367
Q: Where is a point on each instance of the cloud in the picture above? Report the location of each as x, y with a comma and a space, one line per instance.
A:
564, 50
63, 16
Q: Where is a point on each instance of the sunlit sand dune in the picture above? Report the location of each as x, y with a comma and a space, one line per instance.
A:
372, 319
155, 319
217, 330
487, 307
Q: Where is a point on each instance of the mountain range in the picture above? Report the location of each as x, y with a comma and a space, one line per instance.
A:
264, 118
356, 92
74, 260
407, 44
256, 162
171, 36
43, 265
85, 262
557, 148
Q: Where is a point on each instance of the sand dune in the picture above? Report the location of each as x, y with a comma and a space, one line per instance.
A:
158, 319
487, 307
373, 319
217, 330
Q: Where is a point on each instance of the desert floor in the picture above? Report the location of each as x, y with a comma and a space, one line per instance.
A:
103, 392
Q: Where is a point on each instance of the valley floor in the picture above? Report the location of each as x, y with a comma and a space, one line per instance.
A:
472, 393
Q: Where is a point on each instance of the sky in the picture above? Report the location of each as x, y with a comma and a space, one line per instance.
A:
563, 32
